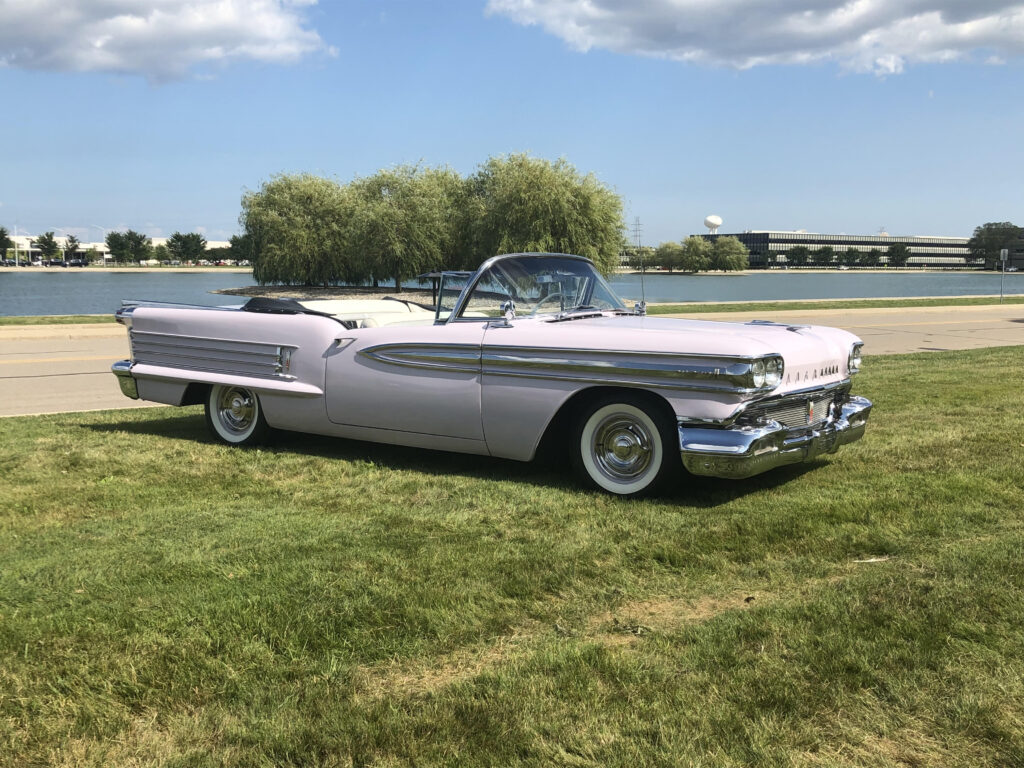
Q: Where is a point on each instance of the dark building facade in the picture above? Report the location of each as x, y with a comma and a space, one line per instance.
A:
768, 249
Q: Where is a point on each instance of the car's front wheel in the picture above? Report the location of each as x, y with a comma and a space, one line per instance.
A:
235, 416
624, 445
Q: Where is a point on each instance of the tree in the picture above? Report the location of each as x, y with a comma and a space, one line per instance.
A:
404, 220
989, 239
729, 255
696, 254
898, 254
118, 247
129, 246
669, 256
5, 243
92, 255
161, 253
824, 256
525, 203
186, 247
298, 230
798, 255
70, 247
47, 245
851, 257
872, 258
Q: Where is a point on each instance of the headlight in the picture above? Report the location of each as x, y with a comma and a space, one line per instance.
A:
855, 358
766, 373
757, 373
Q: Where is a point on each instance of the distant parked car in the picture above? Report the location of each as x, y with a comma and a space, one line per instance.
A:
1011, 269
76, 263
37, 263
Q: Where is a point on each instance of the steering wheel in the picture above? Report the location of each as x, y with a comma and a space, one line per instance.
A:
545, 300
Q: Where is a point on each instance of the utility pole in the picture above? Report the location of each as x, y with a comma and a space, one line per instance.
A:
641, 309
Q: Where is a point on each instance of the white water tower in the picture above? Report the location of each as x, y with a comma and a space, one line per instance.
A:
713, 222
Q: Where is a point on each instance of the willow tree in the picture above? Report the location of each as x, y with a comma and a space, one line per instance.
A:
298, 230
525, 203
405, 220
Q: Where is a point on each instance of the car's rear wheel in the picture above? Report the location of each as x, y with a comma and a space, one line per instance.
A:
624, 444
235, 416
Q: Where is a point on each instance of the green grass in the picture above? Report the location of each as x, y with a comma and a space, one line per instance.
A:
55, 319
165, 600
789, 306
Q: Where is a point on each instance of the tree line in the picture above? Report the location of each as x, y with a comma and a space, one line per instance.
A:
124, 247
132, 247
301, 229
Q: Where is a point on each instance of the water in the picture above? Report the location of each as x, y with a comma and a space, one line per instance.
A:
75, 292
785, 285
91, 292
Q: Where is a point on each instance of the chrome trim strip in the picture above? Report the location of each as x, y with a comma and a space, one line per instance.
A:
732, 378
630, 352
460, 358
669, 370
180, 337
681, 386
233, 357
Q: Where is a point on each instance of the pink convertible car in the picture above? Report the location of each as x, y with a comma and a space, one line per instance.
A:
528, 347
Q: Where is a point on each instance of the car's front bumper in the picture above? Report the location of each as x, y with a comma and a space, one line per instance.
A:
743, 451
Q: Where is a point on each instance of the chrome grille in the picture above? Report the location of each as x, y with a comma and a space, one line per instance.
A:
794, 414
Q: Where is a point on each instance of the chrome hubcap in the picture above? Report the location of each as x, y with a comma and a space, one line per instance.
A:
236, 410
622, 447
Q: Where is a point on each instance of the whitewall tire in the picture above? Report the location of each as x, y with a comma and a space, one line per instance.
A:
235, 416
624, 446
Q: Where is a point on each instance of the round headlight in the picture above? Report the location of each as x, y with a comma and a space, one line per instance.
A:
855, 358
757, 373
773, 367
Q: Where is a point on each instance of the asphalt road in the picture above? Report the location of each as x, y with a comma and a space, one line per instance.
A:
60, 368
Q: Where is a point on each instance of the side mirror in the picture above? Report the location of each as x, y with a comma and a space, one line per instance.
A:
640, 308
508, 310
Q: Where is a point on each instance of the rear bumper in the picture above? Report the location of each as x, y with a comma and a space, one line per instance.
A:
744, 451
123, 370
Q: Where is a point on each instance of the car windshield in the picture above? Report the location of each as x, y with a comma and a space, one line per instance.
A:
540, 285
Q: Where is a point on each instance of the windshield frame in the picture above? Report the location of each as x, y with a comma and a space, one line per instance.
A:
467, 291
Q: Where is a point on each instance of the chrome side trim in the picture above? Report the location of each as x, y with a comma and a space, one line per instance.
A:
664, 370
236, 357
461, 358
667, 371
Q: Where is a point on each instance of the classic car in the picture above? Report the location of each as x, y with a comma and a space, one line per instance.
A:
529, 348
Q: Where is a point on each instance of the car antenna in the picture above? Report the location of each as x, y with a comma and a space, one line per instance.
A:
641, 308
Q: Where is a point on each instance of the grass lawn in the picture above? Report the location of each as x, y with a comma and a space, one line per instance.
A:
56, 319
165, 600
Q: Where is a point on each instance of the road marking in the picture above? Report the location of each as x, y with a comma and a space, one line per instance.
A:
58, 360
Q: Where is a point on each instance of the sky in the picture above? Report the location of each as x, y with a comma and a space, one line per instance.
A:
839, 116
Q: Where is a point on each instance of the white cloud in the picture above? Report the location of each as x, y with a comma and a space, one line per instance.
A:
160, 39
880, 36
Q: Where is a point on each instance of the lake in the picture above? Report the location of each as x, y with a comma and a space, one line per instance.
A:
85, 292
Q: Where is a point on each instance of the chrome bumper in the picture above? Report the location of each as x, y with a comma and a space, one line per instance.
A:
123, 370
739, 452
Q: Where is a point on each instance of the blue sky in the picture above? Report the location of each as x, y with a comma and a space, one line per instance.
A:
774, 119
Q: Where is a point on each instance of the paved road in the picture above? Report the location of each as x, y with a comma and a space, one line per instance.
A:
57, 368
